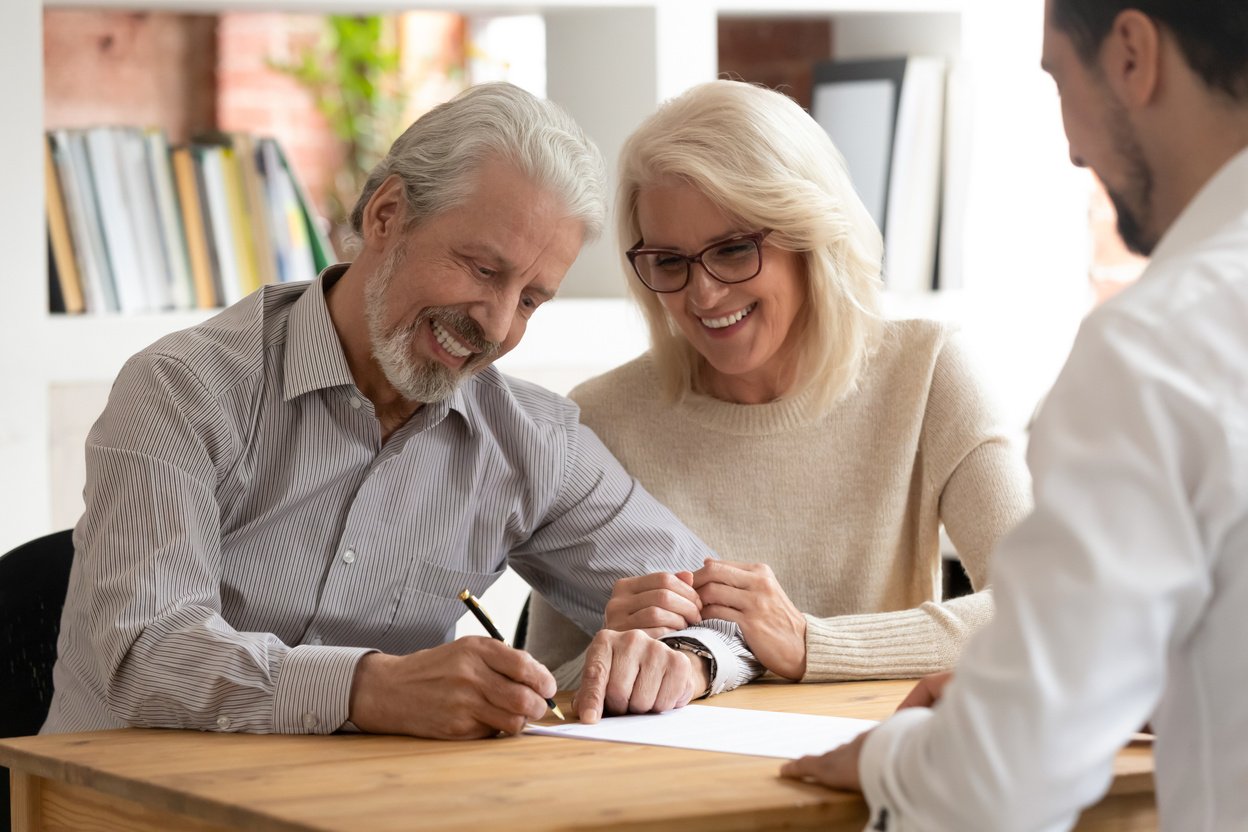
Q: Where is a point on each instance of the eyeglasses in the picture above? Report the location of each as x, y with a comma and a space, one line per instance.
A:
732, 260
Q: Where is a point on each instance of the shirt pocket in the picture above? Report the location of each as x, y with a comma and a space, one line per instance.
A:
429, 606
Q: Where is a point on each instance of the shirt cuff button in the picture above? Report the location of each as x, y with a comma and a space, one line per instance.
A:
310, 721
223, 722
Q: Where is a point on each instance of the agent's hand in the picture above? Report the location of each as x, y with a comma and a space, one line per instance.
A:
631, 672
927, 692
472, 687
838, 769
749, 595
656, 604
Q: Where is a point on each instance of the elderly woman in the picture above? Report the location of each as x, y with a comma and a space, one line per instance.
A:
816, 447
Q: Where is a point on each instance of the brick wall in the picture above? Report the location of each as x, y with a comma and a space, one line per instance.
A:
777, 52
143, 68
253, 97
191, 74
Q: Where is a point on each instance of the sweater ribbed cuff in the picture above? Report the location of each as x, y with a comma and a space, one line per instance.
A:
891, 645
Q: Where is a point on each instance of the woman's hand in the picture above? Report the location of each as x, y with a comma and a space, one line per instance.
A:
749, 595
657, 604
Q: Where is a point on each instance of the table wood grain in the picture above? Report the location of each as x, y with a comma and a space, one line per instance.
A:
144, 779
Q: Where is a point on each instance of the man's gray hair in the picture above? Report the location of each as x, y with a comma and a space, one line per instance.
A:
439, 155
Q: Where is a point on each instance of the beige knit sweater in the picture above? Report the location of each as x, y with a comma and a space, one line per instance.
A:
846, 508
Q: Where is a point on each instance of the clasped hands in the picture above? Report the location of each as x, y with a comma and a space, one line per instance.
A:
746, 594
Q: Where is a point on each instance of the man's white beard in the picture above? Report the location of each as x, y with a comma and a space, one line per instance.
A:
424, 381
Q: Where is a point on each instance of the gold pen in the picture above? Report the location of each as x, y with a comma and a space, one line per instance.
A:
474, 606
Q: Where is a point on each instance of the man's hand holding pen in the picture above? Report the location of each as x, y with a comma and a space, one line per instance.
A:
475, 687
472, 687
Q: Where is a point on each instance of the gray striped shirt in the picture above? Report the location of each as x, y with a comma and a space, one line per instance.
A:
248, 536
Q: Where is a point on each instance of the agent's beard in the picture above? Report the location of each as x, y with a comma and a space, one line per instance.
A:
1134, 203
415, 378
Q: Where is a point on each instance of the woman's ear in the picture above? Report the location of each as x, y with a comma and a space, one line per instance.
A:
384, 213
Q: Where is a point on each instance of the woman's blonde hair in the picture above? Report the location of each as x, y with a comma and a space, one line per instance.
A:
758, 156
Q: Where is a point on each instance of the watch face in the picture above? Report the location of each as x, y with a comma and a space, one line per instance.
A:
689, 646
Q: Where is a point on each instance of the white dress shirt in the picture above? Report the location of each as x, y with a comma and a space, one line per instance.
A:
1124, 597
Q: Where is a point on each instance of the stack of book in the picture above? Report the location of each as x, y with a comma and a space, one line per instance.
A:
135, 225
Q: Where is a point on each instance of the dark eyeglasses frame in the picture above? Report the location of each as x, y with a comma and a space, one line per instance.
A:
690, 259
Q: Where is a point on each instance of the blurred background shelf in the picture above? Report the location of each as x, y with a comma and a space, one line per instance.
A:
1025, 239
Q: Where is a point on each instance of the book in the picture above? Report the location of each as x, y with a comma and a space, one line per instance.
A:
114, 219
955, 183
172, 233
138, 192
211, 169
134, 225
68, 283
855, 102
240, 219
256, 207
190, 202
69, 151
912, 221
56, 299
886, 117
293, 248
322, 251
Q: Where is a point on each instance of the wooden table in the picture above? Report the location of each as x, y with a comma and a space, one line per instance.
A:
139, 779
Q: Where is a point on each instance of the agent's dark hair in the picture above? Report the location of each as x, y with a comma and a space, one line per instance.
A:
1213, 34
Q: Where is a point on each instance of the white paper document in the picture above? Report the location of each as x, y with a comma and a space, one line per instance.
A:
731, 730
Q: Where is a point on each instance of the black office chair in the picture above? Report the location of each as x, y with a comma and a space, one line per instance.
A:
956, 582
522, 625
33, 581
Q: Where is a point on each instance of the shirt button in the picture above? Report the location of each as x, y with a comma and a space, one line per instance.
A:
355, 403
316, 640
223, 722
310, 721
348, 556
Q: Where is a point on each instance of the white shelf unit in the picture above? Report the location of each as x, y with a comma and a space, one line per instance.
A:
610, 62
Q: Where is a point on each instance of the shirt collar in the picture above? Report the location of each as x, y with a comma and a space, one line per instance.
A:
315, 360
314, 356
1218, 202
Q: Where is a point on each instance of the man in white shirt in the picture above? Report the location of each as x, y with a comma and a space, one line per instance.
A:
1123, 598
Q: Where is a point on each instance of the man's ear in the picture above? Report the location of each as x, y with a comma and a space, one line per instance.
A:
1131, 58
384, 213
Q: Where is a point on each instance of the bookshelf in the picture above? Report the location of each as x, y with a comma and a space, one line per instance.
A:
609, 62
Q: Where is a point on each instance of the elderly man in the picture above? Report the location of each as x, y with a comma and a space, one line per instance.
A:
1122, 598
284, 503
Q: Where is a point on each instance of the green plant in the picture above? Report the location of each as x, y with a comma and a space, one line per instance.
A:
354, 75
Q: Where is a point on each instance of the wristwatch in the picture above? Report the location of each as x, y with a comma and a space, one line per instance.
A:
688, 645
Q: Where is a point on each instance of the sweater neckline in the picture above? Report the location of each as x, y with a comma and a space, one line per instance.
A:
784, 414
